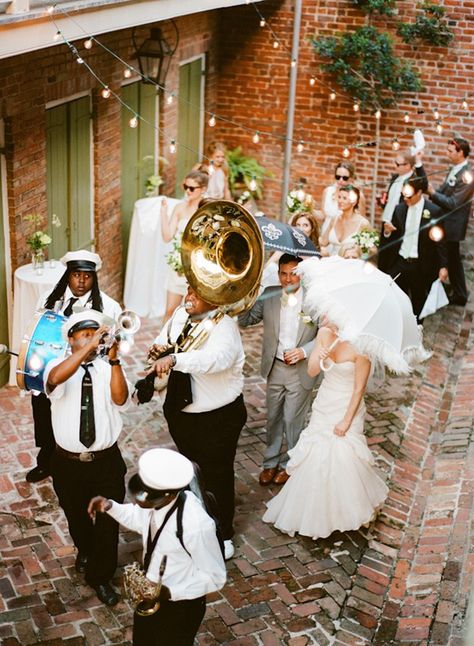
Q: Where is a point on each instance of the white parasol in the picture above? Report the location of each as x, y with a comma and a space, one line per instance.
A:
368, 308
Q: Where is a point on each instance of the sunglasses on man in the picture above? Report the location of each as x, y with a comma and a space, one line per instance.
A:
191, 189
346, 178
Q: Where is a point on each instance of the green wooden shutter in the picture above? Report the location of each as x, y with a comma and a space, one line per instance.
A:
189, 119
80, 173
138, 150
57, 178
4, 358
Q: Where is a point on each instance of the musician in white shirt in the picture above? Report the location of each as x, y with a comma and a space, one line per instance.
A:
77, 288
193, 566
206, 425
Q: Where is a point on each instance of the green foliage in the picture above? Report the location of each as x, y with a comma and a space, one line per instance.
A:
244, 169
364, 65
430, 27
372, 6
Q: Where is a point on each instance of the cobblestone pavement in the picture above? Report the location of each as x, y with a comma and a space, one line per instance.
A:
406, 580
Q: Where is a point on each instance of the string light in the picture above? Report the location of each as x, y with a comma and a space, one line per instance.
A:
467, 177
408, 191
57, 36
276, 44
312, 81
106, 92
395, 144
293, 62
172, 147
212, 121
50, 10
79, 60
352, 196
300, 146
436, 113
133, 123
88, 43
262, 22
292, 300
439, 128
356, 107
406, 117
436, 233
378, 114
169, 99
332, 96
127, 72
253, 184
346, 152
465, 105
256, 138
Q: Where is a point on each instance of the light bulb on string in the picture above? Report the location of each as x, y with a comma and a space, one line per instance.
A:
293, 62
262, 22
436, 233
300, 146
105, 92
436, 113
253, 184
356, 106
88, 43
292, 300
211, 167
312, 81
169, 99
439, 127
127, 72
346, 152
79, 60
406, 117
378, 114
212, 121
465, 105
50, 9
133, 123
332, 96
395, 144
352, 196
276, 44
256, 138
408, 191
467, 177
57, 36
172, 147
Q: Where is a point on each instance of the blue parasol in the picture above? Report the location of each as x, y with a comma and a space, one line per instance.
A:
280, 236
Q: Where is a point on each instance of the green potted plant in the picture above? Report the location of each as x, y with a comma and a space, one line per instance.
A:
245, 173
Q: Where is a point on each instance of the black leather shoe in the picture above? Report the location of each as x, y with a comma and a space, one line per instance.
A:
37, 474
106, 594
455, 300
81, 562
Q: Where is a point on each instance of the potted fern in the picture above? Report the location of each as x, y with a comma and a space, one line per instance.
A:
245, 173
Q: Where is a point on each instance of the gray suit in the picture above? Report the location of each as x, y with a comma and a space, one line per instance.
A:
289, 387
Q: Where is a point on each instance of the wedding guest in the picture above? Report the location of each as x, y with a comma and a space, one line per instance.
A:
308, 224
194, 185
344, 174
216, 167
346, 224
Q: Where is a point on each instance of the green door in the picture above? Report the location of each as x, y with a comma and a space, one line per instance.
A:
68, 166
189, 119
4, 358
139, 146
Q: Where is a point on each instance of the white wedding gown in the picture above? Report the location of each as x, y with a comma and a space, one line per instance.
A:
333, 484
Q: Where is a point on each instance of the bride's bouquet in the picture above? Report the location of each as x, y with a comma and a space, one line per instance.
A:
173, 259
367, 240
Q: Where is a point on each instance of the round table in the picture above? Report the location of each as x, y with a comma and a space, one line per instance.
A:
28, 286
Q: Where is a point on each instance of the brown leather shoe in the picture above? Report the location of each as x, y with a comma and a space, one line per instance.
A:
280, 477
267, 475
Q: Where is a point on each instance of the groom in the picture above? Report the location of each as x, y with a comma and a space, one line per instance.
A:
287, 342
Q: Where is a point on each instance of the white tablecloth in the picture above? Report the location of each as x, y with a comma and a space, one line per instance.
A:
145, 291
27, 288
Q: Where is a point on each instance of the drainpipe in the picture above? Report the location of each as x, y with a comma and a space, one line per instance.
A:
291, 107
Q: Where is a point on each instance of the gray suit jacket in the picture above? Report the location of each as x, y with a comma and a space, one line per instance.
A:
267, 309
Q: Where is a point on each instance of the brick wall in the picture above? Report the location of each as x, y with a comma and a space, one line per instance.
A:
253, 89
30, 81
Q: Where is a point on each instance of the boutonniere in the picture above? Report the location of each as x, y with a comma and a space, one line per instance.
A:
306, 319
452, 181
426, 214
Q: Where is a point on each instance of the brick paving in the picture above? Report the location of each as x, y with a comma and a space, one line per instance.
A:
405, 580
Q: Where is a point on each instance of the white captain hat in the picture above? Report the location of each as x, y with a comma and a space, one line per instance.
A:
159, 471
82, 260
86, 319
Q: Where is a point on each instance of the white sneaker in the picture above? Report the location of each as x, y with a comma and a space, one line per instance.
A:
229, 549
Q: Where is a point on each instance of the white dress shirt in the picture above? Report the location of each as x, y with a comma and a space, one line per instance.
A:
187, 577
111, 307
215, 368
409, 248
394, 194
66, 408
289, 322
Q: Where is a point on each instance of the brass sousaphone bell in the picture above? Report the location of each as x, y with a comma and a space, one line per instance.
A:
222, 254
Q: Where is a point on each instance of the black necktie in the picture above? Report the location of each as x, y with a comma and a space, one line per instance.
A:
87, 427
179, 392
68, 310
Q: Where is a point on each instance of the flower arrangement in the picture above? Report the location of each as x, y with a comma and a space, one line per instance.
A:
244, 197
297, 201
368, 240
38, 239
173, 259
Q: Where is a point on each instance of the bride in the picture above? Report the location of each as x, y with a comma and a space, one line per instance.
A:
333, 484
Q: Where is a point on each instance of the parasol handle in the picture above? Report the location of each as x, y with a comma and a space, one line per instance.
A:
329, 362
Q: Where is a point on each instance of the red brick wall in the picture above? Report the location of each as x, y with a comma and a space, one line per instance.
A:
30, 81
253, 89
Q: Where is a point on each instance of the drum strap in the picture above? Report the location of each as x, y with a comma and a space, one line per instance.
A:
87, 427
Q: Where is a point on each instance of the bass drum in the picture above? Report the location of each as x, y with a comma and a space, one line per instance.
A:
43, 341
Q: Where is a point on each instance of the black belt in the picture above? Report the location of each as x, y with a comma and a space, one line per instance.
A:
86, 456
409, 260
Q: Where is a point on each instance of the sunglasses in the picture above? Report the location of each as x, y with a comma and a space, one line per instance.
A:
346, 178
191, 189
403, 163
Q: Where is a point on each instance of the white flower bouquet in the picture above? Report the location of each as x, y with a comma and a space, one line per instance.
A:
173, 259
367, 239
297, 201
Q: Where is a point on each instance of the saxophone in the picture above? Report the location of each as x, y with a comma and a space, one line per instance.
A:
143, 594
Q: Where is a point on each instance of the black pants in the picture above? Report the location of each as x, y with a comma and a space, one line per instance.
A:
411, 281
75, 483
210, 439
457, 279
174, 624
44, 436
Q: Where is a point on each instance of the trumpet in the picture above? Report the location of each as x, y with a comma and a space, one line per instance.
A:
120, 331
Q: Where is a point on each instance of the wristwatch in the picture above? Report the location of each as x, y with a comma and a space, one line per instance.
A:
173, 359
114, 362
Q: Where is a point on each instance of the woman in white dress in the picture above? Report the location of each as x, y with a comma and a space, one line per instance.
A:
333, 484
342, 228
194, 185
